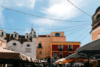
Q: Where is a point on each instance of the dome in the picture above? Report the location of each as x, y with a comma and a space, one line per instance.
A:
98, 8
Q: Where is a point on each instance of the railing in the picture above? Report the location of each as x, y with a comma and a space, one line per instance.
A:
70, 49
60, 50
39, 47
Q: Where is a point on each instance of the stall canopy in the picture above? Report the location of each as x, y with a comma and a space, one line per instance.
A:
94, 45
12, 55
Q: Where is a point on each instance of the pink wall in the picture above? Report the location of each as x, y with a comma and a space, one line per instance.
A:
2, 44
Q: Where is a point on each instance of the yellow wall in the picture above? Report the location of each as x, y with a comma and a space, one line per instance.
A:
45, 41
96, 33
62, 43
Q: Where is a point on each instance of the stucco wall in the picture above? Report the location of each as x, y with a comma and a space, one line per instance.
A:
95, 33
22, 48
2, 43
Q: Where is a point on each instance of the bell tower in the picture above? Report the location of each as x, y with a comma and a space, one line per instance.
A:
96, 25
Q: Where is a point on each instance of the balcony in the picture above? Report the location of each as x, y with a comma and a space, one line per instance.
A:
60, 50
70, 49
39, 47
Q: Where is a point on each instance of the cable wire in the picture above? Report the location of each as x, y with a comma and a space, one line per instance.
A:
75, 31
79, 8
80, 35
49, 29
42, 16
75, 28
84, 37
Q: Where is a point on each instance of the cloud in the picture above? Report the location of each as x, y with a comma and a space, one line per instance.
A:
19, 3
46, 22
62, 9
59, 9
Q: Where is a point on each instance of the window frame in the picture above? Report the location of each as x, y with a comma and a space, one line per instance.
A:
57, 34
15, 35
70, 48
54, 55
39, 45
14, 44
28, 45
98, 16
40, 52
60, 47
2, 33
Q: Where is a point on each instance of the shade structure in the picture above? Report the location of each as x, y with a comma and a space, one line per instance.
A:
69, 60
94, 45
12, 55
75, 55
59, 61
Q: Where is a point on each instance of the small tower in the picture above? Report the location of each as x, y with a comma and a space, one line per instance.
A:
33, 33
96, 25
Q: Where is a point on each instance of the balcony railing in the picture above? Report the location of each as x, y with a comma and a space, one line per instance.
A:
60, 50
70, 49
39, 47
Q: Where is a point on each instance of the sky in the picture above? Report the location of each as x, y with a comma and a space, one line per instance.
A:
12, 21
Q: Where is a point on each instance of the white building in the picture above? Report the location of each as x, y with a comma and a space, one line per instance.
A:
23, 44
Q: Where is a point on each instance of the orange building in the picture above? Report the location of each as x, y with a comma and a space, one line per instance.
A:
96, 25
46, 44
43, 42
62, 49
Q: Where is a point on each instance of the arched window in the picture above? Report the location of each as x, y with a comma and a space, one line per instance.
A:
39, 45
15, 35
27, 36
2, 33
57, 35
28, 45
14, 44
98, 16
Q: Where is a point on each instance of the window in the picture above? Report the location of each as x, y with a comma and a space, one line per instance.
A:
2, 34
60, 55
60, 46
28, 45
39, 45
98, 16
40, 52
70, 47
48, 36
55, 56
15, 35
14, 44
57, 35
27, 36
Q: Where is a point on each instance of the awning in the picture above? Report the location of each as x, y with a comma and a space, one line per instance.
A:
94, 45
12, 55
69, 60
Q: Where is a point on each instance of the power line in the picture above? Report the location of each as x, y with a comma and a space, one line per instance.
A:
79, 8
84, 36
49, 29
75, 31
42, 16
81, 35
75, 28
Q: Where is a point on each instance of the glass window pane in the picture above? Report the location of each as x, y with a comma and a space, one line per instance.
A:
55, 55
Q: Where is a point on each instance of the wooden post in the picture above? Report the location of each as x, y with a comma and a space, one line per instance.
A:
88, 61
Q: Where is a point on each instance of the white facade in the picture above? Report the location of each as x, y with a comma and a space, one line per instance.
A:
27, 47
